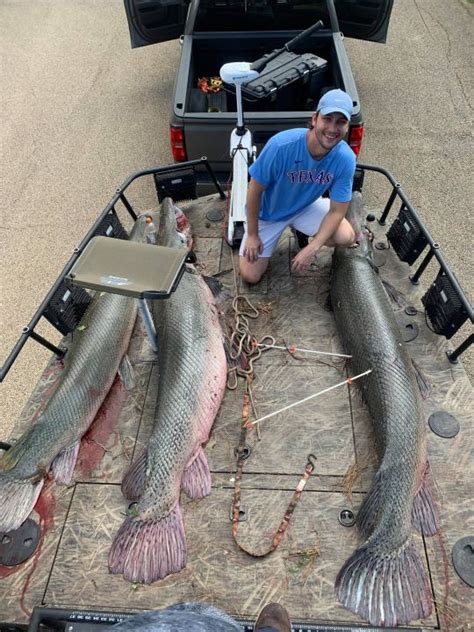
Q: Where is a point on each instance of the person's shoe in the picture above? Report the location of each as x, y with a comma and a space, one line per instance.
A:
273, 616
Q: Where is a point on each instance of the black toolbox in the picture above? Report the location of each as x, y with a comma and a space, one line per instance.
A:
281, 72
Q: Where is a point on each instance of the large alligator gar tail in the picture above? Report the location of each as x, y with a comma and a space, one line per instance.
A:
386, 590
17, 499
147, 550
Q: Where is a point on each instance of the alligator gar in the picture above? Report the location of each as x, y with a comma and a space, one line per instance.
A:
97, 350
384, 581
151, 544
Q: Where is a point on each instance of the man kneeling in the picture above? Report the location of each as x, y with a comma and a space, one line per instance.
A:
288, 179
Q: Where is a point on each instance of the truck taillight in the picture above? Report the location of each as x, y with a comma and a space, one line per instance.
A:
177, 143
356, 134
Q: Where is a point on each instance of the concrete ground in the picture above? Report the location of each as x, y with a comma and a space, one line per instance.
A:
81, 111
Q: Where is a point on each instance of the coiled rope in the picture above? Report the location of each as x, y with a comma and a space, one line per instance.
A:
245, 349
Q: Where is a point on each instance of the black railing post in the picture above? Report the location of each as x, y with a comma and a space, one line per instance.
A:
127, 204
49, 345
389, 204
454, 355
213, 176
414, 278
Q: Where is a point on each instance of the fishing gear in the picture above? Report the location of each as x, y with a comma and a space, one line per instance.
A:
236, 507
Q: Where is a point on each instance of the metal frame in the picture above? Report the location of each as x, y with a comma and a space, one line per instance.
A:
29, 330
433, 251
93, 620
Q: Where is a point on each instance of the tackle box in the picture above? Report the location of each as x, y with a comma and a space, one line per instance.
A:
282, 72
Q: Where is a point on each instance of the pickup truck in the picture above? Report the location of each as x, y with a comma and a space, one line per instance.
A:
214, 32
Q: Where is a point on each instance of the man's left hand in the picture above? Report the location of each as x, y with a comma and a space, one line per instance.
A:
302, 261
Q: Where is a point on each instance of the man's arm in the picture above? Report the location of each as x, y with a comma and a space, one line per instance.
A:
329, 225
253, 245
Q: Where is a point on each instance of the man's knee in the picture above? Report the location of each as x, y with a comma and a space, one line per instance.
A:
250, 276
252, 272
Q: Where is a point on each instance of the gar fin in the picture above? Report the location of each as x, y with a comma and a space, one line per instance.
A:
134, 480
395, 296
368, 513
422, 381
216, 287
424, 513
386, 590
64, 464
127, 373
147, 550
17, 499
196, 481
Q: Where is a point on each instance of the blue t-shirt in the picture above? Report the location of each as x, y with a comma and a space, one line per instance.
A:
293, 179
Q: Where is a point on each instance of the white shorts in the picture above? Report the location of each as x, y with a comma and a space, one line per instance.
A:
307, 221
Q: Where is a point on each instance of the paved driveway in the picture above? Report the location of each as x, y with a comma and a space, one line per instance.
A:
81, 111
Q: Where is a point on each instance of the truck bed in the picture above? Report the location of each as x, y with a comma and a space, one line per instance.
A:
69, 568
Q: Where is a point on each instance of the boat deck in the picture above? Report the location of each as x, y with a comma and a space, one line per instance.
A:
69, 569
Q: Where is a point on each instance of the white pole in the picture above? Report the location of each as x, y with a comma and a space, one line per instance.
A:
292, 349
326, 390
238, 97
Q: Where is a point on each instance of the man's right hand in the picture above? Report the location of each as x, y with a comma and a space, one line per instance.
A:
253, 248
